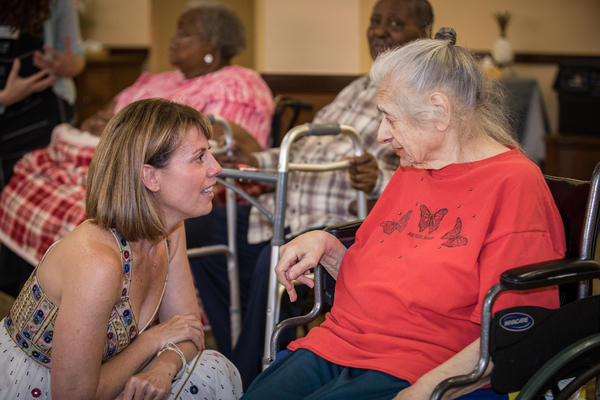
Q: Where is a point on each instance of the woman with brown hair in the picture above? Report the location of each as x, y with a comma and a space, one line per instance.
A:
78, 329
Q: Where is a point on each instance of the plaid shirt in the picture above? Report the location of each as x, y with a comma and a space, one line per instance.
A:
321, 199
233, 92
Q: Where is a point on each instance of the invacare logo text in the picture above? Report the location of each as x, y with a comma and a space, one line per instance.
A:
516, 322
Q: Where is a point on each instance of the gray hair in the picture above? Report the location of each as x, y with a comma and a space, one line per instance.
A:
425, 66
221, 24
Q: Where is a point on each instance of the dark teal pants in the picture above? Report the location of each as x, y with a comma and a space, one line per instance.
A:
304, 375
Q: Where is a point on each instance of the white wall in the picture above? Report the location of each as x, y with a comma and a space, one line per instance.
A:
308, 36
119, 23
536, 26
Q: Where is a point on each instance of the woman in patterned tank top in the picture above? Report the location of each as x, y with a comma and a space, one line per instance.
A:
84, 313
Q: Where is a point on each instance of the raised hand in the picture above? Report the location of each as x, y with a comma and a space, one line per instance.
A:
18, 88
64, 64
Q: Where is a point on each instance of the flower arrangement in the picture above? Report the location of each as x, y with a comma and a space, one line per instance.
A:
502, 52
503, 19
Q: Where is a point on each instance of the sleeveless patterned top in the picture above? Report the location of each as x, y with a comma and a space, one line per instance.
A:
30, 322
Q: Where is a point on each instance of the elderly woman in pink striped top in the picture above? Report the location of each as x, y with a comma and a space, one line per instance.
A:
208, 35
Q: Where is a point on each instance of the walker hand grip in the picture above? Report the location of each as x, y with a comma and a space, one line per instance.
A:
323, 129
211, 118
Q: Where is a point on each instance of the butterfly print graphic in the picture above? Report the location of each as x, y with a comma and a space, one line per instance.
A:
390, 226
454, 238
429, 220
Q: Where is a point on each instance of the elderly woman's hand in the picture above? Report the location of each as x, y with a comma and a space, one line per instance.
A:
304, 253
363, 172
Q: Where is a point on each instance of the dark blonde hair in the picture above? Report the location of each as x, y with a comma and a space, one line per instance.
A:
145, 132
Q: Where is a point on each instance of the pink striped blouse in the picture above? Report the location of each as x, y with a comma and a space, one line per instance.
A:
235, 93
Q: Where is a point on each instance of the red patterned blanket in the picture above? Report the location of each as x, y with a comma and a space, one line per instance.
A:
44, 200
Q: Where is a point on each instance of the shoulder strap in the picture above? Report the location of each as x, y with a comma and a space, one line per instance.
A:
127, 259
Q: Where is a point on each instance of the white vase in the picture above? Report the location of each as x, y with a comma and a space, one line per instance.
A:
502, 51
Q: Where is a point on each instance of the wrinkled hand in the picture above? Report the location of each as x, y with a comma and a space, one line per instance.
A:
303, 253
363, 172
179, 328
64, 64
18, 88
148, 384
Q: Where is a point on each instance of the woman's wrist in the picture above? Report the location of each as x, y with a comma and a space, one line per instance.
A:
4, 100
174, 353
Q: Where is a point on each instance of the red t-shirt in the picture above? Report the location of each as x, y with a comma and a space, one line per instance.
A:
410, 290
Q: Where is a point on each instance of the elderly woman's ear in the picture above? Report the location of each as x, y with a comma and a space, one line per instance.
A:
442, 110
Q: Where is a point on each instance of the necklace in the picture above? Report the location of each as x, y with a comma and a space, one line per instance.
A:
154, 263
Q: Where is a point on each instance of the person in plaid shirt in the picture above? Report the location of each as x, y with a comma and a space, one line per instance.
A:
315, 200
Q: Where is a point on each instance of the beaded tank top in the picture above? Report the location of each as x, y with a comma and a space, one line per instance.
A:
30, 322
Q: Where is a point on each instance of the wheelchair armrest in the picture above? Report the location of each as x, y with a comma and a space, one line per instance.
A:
324, 287
294, 322
550, 273
346, 230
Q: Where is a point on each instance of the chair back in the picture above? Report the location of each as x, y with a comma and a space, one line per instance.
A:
570, 196
281, 118
517, 355
578, 202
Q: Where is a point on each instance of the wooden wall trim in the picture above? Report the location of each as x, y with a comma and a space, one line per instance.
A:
286, 83
529, 58
282, 83
138, 51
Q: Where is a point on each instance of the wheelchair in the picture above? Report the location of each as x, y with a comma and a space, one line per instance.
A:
526, 357
278, 178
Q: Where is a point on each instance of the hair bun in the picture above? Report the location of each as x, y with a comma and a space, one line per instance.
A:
447, 35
